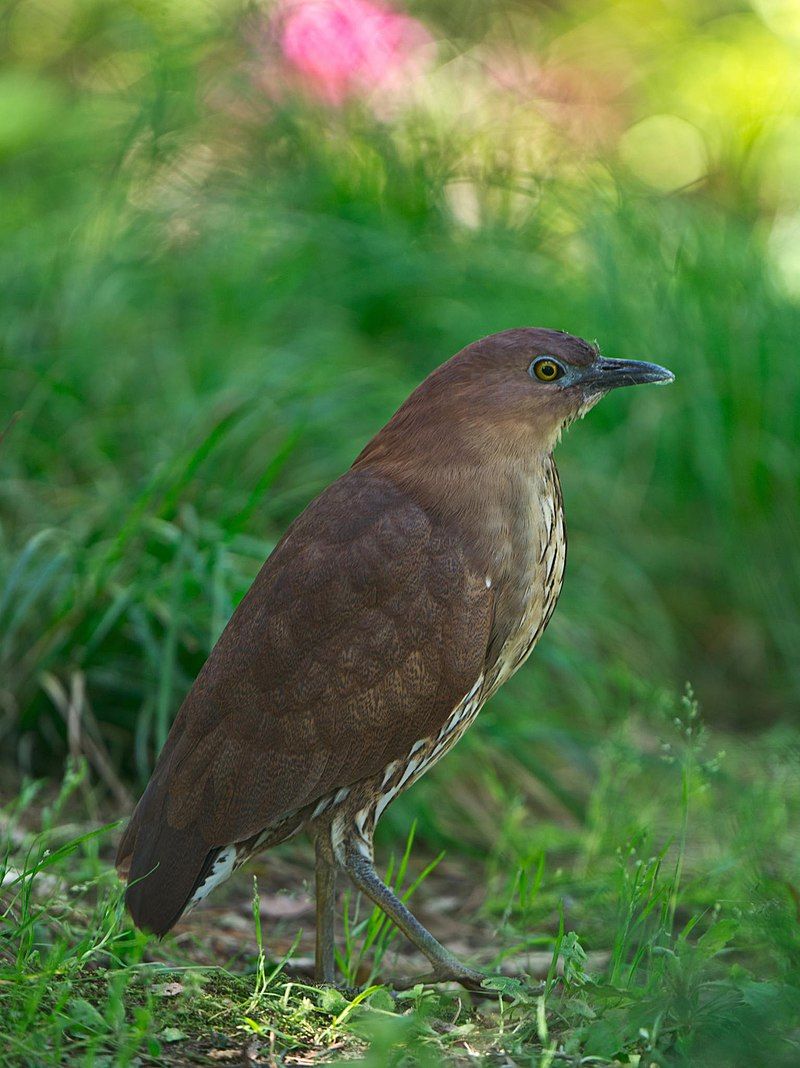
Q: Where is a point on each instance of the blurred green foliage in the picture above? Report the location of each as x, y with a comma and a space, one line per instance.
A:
214, 291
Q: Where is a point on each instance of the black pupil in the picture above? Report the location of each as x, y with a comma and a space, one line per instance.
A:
548, 369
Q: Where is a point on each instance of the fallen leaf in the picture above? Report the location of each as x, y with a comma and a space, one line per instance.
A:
286, 906
169, 990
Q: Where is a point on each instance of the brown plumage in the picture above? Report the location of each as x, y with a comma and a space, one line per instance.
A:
391, 609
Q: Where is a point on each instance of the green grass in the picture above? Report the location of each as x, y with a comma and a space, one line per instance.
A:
208, 303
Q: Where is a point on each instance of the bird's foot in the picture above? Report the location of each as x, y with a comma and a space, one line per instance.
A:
469, 978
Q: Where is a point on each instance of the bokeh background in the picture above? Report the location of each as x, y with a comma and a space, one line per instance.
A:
233, 239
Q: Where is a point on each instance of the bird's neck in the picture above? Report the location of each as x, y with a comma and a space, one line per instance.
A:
484, 484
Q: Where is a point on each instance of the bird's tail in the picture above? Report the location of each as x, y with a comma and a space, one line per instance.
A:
164, 866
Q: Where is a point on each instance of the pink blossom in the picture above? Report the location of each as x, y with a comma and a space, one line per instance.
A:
347, 48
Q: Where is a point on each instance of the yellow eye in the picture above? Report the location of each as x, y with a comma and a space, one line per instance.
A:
547, 370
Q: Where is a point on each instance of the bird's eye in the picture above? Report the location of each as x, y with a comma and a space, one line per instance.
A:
546, 370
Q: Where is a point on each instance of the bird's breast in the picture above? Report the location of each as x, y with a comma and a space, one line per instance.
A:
530, 565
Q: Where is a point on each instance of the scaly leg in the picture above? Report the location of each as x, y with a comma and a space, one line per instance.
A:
446, 967
325, 964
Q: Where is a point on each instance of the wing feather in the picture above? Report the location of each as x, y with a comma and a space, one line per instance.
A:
358, 637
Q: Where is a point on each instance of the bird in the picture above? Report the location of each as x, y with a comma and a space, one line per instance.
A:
392, 608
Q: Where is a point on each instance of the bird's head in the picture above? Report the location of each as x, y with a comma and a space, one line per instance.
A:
538, 380
508, 394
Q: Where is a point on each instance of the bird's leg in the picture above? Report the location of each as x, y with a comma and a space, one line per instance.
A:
446, 967
325, 962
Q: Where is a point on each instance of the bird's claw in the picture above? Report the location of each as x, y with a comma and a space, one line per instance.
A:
469, 978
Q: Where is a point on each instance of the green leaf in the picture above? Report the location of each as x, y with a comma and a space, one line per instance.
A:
717, 937
85, 1017
516, 989
172, 1034
382, 1000
332, 1001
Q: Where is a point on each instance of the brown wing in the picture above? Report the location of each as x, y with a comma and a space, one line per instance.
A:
359, 636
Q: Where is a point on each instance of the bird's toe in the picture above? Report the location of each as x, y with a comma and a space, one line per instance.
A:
469, 978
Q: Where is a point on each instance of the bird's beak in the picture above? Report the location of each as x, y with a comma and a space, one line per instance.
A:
606, 374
